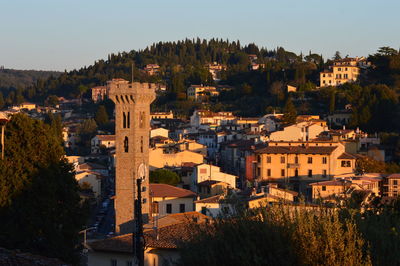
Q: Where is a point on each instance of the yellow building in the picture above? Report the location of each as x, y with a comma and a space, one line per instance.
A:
167, 199
303, 161
392, 185
162, 115
158, 158
343, 71
198, 92
27, 106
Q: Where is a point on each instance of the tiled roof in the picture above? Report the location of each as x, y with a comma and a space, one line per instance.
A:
394, 176
213, 199
297, 150
164, 190
331, 183
11, 258
88, 166
106, 137
349, 156
168, 238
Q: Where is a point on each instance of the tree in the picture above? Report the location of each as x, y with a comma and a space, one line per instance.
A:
2, 103
101, 116
337, 56
39, 203
164, 176
369, 165
289, 112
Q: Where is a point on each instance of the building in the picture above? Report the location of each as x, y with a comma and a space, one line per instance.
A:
167, 199
159, 132
200, 92
152, 69
392, 186
93, 179
27, 106
342, 71
302, 131
202, 117
162, 115
207, 172
303, 161
215, 70
102, 141
209, 188
99, 93
160, 158
343, 188
132, 130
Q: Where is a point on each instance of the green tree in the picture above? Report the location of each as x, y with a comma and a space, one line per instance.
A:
39, 202
289, 112
164, 176
101, 116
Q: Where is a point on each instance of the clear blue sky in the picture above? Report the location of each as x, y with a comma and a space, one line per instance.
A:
68, 34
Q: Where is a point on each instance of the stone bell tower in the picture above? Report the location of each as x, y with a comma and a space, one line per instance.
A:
132, 129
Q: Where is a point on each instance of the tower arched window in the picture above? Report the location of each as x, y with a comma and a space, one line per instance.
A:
128, 118
124, 120
141, 144
126, 144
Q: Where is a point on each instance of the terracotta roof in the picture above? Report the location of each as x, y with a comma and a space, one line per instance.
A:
347, 155
297, 149
168, 238
186, 217
88, 166
213, 199
331, 183
17, 258
106, 137
394, 176
164, 190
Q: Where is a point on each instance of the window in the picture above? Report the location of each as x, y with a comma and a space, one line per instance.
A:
204, 210
309, 160
324, 173
128, 120
346, 163
324, 160
394, 182
141, 144
268, 172
259, 158
124, 120
203, 171
296, 173
181, 207
296, 159
169, 208
269, 159
309, 173
129, 263
126, 144
282, 172
113, 262
282, 159
323, 188
258, 171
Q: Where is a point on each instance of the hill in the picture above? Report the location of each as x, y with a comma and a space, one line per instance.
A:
20, 79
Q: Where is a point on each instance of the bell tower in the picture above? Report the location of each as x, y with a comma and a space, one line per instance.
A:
132, 129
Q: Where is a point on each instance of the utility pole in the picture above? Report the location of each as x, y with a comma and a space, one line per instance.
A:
138, 240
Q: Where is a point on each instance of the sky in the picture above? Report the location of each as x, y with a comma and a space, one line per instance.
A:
70, 34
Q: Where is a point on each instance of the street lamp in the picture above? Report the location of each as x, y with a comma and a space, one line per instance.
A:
3, 121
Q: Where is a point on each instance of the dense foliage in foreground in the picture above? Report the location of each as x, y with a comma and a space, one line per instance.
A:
40, 207
281, 235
